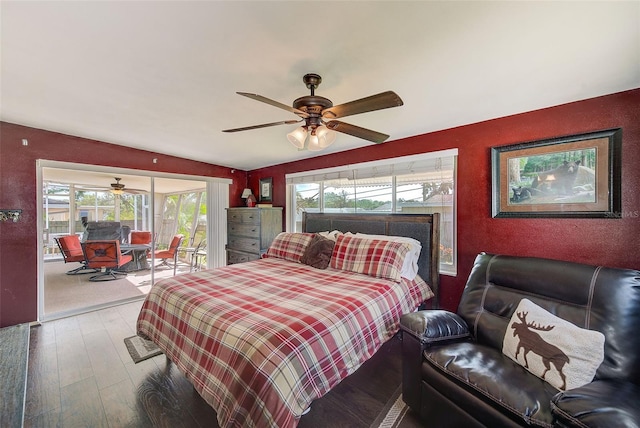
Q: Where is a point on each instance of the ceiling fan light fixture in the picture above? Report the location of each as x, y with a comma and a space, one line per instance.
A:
314, 143
297, 137
117, 191
321, 138
326, 137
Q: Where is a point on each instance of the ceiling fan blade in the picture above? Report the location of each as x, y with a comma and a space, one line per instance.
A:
274, 103
135, 191
374, 102
264, 125
356, 131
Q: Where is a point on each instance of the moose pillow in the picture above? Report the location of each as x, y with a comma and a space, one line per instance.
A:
551, 348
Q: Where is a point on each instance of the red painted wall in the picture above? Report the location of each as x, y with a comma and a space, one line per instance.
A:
19, 241
611, 242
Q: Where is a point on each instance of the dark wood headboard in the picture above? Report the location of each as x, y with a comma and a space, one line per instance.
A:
422, 227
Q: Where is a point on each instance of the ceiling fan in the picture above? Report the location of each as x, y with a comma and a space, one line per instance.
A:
319, 114
117, 188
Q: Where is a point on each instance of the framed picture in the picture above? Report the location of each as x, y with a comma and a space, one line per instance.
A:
266, 187
572, 176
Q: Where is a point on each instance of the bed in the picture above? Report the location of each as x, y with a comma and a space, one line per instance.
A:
261, 340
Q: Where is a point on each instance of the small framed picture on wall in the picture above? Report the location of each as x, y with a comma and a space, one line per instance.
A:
266, 188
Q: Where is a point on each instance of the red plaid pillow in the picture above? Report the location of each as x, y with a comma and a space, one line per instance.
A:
289, 246
373, 257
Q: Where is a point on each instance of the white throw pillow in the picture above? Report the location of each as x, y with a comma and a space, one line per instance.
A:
551, 348
333, 235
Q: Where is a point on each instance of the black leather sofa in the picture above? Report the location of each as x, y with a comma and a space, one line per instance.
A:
454, 371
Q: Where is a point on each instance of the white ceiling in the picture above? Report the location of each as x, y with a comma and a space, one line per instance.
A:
162, 76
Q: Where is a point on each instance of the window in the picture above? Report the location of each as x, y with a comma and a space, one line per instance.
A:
421, 184
186, 214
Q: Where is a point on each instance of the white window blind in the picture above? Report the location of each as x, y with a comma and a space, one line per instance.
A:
426, 162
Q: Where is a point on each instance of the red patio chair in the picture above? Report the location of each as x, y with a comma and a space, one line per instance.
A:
105, 256
71, 250
140, 237
170, 253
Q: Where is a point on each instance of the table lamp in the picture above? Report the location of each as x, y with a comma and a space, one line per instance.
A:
248, 195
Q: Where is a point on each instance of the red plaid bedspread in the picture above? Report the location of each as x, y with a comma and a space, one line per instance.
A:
261, 340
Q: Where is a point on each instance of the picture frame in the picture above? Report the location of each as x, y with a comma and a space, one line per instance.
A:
576, 176
266, 189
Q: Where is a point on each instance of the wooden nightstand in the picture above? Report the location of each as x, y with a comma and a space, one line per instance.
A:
250, 231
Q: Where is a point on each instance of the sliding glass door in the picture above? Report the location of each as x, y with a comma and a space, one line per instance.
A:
77, 199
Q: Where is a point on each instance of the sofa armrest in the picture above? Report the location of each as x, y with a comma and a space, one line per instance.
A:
601, 403
434, 326
423, 329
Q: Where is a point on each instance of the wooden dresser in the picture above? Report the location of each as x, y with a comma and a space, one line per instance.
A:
250, 231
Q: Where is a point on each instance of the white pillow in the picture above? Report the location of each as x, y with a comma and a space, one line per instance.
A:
410, 265
333, 235
561, 353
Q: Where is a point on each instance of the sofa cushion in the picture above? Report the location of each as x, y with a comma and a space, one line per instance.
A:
551, 348
484, 373
602, 403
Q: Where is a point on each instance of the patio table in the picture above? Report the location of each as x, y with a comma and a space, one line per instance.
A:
139, 254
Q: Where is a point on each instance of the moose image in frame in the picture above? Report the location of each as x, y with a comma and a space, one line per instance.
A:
575, 176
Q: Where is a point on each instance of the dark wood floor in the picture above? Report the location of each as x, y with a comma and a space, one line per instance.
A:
81, 375
14, 350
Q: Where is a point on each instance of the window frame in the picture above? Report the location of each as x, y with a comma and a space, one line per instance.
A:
386, 166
